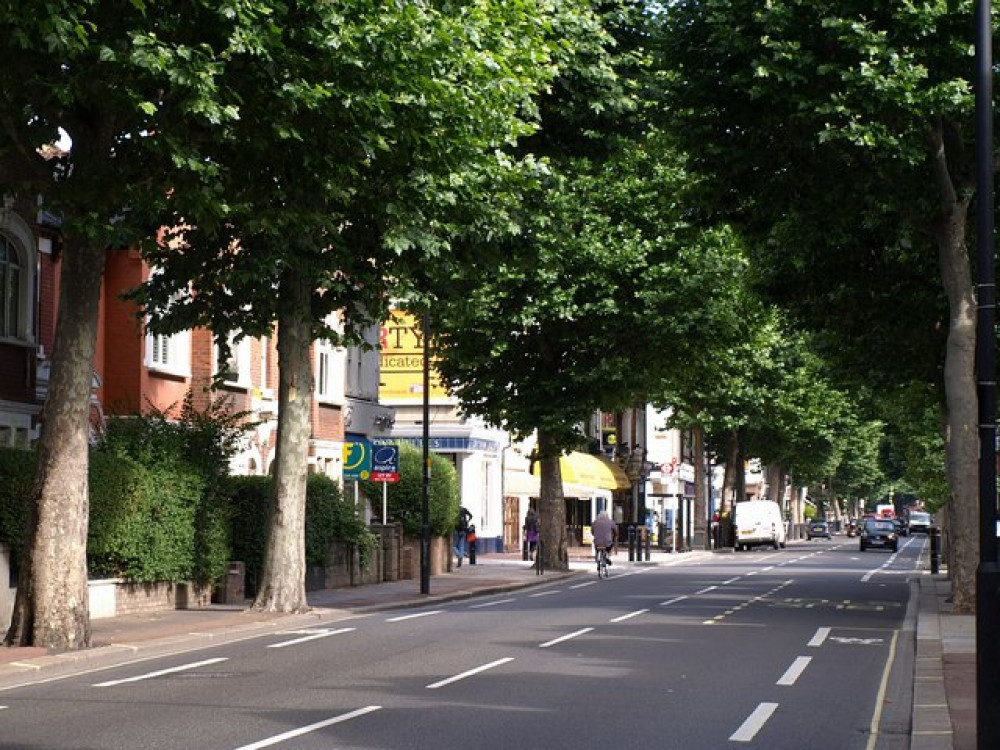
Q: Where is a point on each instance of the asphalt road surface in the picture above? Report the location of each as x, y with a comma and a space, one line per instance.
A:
809, 647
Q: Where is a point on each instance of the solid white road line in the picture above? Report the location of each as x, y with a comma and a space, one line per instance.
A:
818, 639
795, 671
562, 638
630, 615
158, 673
310, 728
471, 672
882, 688
313, 635
414, 616
755, 721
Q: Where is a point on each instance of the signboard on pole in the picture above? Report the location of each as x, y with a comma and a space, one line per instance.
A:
357, 460
385, 461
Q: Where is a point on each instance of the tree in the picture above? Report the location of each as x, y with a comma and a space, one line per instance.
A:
788, 104
129, 86
367, 136
605, 290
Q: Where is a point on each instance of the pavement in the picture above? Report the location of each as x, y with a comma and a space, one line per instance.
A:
944, 672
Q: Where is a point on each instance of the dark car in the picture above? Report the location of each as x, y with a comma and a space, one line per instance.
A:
879, 533
817, 528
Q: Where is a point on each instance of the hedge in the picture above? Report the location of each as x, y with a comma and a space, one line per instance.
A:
406, 497
167, 522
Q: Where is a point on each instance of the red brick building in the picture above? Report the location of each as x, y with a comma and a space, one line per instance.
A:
135, 371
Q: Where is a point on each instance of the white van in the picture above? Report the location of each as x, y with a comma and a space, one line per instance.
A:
758, 522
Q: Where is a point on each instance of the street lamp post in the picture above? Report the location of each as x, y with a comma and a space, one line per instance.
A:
988, 572
425, 527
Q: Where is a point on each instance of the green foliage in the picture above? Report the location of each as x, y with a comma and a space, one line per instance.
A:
155, 509
143, 520
405, 497
329, 517
17, 468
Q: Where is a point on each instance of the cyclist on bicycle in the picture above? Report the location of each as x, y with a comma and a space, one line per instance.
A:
605, 534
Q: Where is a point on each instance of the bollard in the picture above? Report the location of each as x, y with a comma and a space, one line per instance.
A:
539, 564
648, 542
631, 543
935, 550
470, 541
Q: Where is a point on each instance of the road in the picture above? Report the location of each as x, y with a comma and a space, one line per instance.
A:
806, 647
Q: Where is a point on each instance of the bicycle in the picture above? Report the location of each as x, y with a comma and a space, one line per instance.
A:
602, 563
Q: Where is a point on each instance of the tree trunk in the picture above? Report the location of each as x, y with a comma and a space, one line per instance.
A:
734, 470
959, 380
701, 499
552, 508
51, 607
283, 576
775, 484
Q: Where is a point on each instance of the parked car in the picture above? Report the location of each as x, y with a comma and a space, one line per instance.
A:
817, 528
879, 533
920, 522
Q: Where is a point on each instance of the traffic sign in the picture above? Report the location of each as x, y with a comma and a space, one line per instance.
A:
357, 460
385, 461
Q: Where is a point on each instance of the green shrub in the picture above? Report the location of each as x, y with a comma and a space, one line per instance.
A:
143, 520
406, 497
17, 467
329, 517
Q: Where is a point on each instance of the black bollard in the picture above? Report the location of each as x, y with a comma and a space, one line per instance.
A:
470, 539
648, 542
631, 543
935, 550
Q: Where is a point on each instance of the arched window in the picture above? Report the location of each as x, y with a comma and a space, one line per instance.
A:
10, 288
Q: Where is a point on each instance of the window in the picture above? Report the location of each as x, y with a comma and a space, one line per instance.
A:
235, 370
329, 372
10, 288
169, 354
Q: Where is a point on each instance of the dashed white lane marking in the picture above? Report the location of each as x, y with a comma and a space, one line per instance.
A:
562, 638
544, 593
415, 615
491, 604
821, 635
794, 671
630, 615
676, 599
309, 635
731, 580
161, 672
754, 723
309, 728
582, 585
469, 673
705, 590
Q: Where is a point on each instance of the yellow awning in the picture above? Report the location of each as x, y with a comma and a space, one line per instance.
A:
591, 471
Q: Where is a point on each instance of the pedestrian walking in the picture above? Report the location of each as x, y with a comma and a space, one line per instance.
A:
461, 532
531, 533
